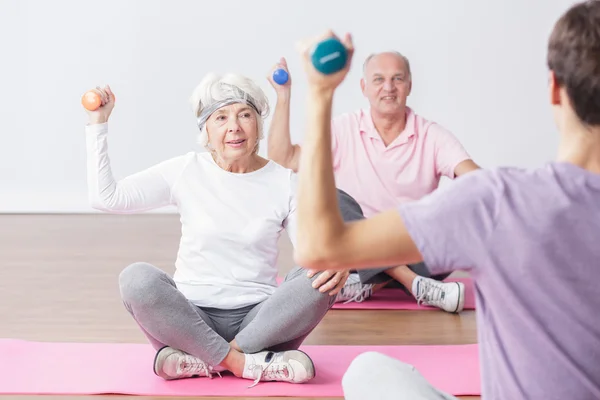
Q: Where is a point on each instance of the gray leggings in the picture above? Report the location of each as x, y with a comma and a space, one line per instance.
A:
351, 211
376, 376
167, 318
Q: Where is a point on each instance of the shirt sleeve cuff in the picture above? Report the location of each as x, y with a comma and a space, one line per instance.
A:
96, 128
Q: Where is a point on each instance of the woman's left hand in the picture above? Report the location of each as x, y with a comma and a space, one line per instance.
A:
332, 281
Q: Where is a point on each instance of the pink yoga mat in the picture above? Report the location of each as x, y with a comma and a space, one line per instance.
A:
397, 299
116, 368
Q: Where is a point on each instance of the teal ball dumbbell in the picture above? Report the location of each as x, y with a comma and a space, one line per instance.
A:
329, 56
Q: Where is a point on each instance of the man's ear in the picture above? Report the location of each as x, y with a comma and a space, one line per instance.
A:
553, 89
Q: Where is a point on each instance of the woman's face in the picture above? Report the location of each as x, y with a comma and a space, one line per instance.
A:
233, 131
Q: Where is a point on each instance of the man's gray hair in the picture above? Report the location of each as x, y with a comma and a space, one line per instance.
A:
397, 53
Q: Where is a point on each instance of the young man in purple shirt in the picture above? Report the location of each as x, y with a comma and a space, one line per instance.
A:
528, 237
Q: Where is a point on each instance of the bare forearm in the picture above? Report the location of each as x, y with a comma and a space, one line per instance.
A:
97, 119
324, 241
465, 167
319, 218
280, 147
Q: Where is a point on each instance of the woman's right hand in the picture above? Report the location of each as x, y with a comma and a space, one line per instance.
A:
101, 114
283, 91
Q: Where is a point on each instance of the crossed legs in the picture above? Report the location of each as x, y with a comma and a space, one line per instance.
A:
255, 342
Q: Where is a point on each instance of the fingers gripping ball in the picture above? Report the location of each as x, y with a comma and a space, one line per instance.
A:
280, 76
91, 100
329, 56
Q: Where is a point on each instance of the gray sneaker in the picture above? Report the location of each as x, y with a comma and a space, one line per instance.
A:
354, 290
293, 366
170, 363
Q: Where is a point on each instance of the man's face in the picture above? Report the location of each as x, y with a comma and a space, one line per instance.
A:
386, 83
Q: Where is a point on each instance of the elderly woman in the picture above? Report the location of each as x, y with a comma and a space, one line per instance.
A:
223, 309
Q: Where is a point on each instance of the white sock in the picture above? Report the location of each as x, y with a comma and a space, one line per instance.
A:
245, 372
251, 360
415, 286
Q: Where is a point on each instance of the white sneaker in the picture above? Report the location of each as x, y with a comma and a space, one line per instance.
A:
170, 363
449, 296
354, 290
292, 366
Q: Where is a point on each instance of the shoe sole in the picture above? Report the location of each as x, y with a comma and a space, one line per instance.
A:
461, 297
156, 359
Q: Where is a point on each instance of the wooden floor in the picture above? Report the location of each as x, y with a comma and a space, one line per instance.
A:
59, 283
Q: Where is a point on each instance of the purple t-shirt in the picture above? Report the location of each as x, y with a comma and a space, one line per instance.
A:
531, 240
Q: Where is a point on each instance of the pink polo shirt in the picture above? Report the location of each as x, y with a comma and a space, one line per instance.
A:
381, 177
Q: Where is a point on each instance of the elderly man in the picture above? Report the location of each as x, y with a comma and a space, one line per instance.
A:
383, 155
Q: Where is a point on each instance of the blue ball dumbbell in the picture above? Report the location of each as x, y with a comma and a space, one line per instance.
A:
280, 76
329, 56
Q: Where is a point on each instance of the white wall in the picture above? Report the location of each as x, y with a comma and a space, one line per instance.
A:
478, 68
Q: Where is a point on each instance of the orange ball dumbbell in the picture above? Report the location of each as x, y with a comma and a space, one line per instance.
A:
91, 100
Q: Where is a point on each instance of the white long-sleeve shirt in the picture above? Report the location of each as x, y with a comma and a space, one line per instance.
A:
230, 222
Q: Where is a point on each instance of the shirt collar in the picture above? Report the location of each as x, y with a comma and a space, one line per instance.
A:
368, 127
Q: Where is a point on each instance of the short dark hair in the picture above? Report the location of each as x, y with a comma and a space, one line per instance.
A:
574, 57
